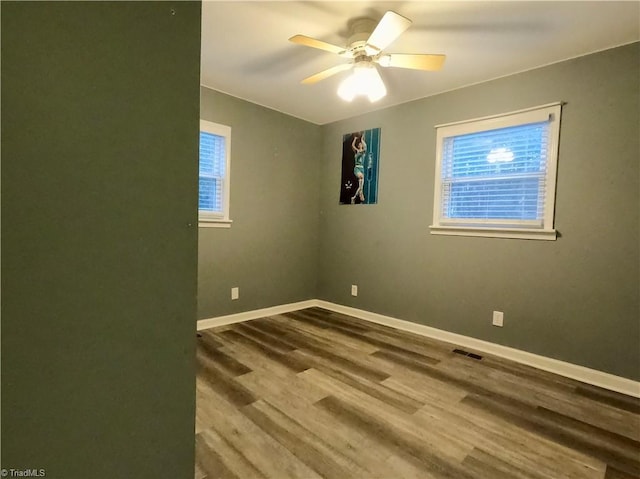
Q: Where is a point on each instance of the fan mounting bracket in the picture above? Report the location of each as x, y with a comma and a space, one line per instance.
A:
360, 30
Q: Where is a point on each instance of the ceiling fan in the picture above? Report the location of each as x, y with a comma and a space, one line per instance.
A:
365, 49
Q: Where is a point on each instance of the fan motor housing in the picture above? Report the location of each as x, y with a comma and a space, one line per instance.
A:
361, 29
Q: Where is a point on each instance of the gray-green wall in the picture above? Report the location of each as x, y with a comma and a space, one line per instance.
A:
270, 252
575, 299
100, 107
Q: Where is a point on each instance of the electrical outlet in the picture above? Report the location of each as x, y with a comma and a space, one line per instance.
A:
235, 293
498, 318
354, 290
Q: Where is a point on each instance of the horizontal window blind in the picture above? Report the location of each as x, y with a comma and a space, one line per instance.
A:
495, 177
212, 172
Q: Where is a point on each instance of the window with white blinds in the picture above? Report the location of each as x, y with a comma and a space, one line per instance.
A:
213, 199
496, 176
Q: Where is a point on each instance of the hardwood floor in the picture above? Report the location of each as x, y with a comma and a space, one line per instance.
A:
316, 394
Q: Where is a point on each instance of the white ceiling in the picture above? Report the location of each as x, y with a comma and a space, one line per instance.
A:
246, 52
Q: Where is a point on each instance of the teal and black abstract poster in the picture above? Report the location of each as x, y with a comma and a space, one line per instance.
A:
360, 164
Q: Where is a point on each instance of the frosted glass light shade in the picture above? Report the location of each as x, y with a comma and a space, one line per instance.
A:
365, 80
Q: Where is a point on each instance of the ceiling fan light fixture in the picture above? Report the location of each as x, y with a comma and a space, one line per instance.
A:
365, 80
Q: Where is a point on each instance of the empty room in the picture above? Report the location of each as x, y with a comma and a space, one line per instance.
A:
406, 328
321, 240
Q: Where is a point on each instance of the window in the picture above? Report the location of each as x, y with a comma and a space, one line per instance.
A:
496, 176
213, 200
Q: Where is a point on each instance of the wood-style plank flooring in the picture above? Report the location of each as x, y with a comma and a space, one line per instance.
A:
316, 394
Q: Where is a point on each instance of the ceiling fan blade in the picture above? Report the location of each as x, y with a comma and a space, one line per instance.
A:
388, 29
413, 61
326, 73
313, 43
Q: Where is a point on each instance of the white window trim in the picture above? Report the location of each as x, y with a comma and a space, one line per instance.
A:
551, 111
214, 223
215, 220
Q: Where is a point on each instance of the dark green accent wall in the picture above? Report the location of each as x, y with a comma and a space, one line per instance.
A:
271, 250
576, 299
100, 111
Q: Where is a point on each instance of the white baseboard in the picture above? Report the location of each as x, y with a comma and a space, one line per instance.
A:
569, 370
573, 371
255, 314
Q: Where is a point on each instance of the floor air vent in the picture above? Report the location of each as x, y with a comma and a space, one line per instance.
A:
465, 353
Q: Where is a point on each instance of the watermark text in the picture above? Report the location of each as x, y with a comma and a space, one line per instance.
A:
29, 472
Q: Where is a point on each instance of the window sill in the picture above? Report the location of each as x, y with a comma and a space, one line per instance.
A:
515, 233
214, 223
